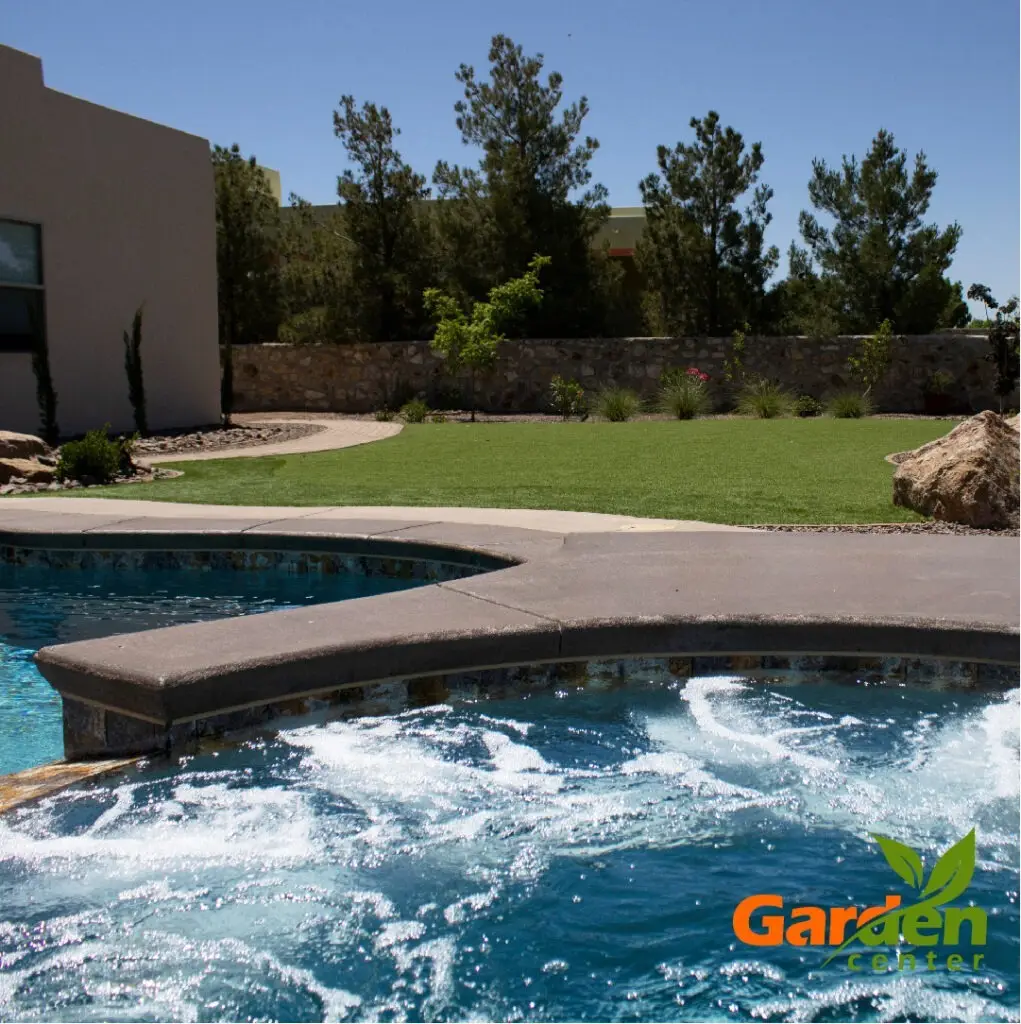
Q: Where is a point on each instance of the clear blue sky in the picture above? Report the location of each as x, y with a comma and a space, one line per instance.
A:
807, 78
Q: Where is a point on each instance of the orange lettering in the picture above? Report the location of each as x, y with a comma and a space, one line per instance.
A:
840, 918
773, 934
812, 930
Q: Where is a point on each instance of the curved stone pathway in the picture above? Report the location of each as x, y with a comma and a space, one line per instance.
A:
334, 434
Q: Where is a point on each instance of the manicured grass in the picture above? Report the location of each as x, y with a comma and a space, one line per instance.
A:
724, 471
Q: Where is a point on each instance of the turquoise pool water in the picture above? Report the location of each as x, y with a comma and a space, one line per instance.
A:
41, 606
572, 855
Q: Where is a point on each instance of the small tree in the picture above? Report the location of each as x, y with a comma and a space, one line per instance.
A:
133, 368
868, 366
981, 293
247, 264
1004, 350
472, 343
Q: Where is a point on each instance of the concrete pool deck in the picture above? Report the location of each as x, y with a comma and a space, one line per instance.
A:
562, 587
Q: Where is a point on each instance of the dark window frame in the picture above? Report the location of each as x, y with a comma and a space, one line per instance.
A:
30, 342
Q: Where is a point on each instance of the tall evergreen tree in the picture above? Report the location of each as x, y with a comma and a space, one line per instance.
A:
531, 192
879, 260
247, 267
381, 198
705, 261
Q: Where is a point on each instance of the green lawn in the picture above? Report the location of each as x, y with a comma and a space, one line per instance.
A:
724, 471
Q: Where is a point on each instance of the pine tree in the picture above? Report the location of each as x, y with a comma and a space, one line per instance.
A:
705, 261
381, 198
531, 192
879, 260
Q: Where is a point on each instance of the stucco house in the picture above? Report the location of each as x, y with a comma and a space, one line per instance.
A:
100, 213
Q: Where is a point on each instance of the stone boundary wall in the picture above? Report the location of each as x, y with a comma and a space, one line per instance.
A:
364, 376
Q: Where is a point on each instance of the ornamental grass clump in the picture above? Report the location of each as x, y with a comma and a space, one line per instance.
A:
849, 405
684, 394
764, 399
618, 405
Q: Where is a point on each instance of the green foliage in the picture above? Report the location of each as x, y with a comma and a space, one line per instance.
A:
310, 327
684, 399
385, 415
414, 411
471, 342
1004, 350
618, 404
388, 240
869, 365
133, 369
530, 192
568, 397
46, 396
96, 458
939, 383
981, 293
879, 260
764, 399
733, 362
705, 260
806, 406
247, 263
438, 417
848, 405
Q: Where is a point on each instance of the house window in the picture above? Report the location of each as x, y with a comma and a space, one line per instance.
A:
21, 286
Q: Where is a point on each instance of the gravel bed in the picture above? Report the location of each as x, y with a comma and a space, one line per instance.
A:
933, 527
216, 438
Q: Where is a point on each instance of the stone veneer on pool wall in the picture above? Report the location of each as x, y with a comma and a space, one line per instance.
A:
364, 376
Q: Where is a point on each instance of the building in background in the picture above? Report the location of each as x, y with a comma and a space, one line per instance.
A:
100, 213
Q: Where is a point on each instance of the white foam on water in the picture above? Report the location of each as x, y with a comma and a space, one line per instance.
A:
479, 809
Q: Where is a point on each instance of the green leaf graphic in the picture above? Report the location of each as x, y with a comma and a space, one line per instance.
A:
902, 859
952, 873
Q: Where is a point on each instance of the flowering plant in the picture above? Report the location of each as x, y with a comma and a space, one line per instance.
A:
697, 374
683, 393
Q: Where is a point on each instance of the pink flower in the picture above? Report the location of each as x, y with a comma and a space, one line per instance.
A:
694, 371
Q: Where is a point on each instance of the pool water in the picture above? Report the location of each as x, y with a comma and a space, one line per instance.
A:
570, 855
40, 606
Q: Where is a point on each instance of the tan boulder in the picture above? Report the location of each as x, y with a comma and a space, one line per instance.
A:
970, 476
28, 469
21, 446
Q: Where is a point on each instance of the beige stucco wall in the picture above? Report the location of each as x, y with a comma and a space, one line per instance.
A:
127, 215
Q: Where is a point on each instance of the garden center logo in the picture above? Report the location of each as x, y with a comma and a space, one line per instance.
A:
926, 921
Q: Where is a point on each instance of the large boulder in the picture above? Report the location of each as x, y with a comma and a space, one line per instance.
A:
21, 446
29, 470
970, 476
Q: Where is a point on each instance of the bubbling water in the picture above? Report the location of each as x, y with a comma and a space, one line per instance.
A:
569, 855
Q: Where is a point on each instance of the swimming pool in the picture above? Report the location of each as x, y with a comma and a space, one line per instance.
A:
577, 853
121, 592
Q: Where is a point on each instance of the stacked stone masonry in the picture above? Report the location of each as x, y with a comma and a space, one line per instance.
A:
365, 376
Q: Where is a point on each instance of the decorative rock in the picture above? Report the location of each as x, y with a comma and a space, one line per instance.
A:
24, 471
21, 446
970, 476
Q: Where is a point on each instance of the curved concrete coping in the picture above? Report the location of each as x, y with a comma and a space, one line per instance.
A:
547, 598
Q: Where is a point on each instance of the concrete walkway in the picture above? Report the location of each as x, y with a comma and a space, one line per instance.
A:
548, 520
335, 434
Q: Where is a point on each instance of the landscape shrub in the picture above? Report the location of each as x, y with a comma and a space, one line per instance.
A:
684, 393
96, 458
414, 411
384, 415
568, 397
806, 405
438, 417
939, 383
618, 404
764, 399
849, 405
